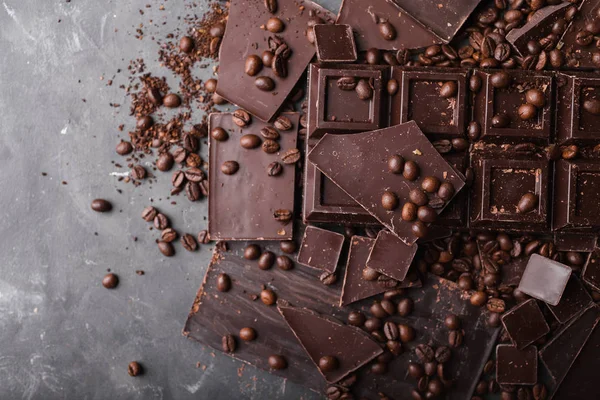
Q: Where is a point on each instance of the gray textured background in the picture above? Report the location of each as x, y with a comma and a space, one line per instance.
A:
62, 335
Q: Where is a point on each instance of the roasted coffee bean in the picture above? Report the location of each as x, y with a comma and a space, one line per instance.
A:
378, 311
500, 121
430, 184
253, 65
379, 368
275, 25
418, 197
288, 246
230, 167
247, 334
409, 211
217, 30
241, 118
270, 146
394, 347
101, 205
194, 175
363, 90
291, 156
455, 338
267, 58
442, 354
252, 252
392, 87
124, 148
415, 371
189, 242
283, 123
527, 203
346, 83
570, 152
279, 66
406, 333
161, 222
387, 304
274, 169
411, 170
526, 111
540, 392
452, 322
390, 330
165, 161
145, 123
266, 259
138, 172
478, 299
328, 278
387, 30
264, 83
277, 362
356, 318
500, 79
283, 215
268, 297
443, 146
373, 56
271, 6
328, 363
223, 282
203, 237
396, 164
168, 235
584, 38
405, 307
496, 305
186, 44
372, 324
592, 106
419, 229
446, 191
219, 134
110, 281
502, 52
284, 263
424, 353
535, 97
465, 52
426, 214
389, 201
250, 141
134, 368
166, 248
228, 343
149, 213
473, 131
448, 89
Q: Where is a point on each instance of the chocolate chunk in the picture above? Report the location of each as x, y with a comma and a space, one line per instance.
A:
576, 189
335, 43
544, 279
574, 124
525, 323
575, 298
320, 249
516, 367
391, 256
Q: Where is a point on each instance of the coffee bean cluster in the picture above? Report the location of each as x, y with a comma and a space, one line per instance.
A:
276, 57
363, 87
430, 373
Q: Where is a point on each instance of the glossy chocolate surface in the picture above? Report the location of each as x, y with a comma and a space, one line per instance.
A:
335, 43
545, 279
516, 366
525, 323
320, 249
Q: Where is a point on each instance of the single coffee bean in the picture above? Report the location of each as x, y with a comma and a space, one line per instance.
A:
584, 38
168, 235
369, 274
193, 191
478, 299
250, 141
415, 371
275, 25
161, 222
328, 278
424, 353
373, 56
527, 203
448, 89
430, 184
228, 343
475, 83
389, 201
387, 30
473, 131
379, 368
455, 338
165, 161
271, 6
267, 58
279, 66
186, 44
101, 205
274, 169
496, 305
241, 118
284, 263
592, 106
452, 322
138, 172
230, 167
419, 229
328, 363
372, 324
217, 30
430, 368
426, 214
526, 111
378, 311
346, 83
166, 248
411, 170
268, 297
110, 281
446, 191
418, 197
540, 392
210, 85
291, 156
247, 334
252, 252
253, 65
145, 123
283, 123
270, 146
288, 246
396, 164
443, 146
535, 97
390, 330
392, 87
172, 101
124, 148
500, 121
203, 237
219, 134
223, 282
266, 260
570, 152
405, 307
356, 318
134, 369
189, 242
264, 83
409, 212
406, 333
149, 213
500, 79
283, 215
442, 354
194, 175
364, 90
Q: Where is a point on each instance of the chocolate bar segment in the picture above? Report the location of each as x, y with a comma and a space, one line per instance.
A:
525, 323
245, 37
582, 242
576, 194
358, 163
574, 299
591, 271
242, 206
434, 98
545, 279
456, 214
335, 43
391, 256
577, 42
577, 120
502, 182
348, 347
320, 249
497, 108
355, 287
516, 366
346, 98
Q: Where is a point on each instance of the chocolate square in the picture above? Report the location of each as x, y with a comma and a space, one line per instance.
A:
574, 124
573, 241
576, 194
500, 184
456, 214
390, 256
591, 271
514, 366
490, 101
544, 279
525, 323
419, 99
574, 299
320, 249
325, 202
241, 206
334, 110
335, 43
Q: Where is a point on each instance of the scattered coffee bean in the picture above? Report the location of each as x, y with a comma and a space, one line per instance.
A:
387, 30
389, 201
346, 83
267, 58
356, 318
328, 363
406, 333
161, 222
247, 334
392, 87
426, 214
288, 246
101, 205
166, 248
271, 6
443, 354
283, 123
149, 213
372, 324
252, 252
223, 282
165, 161
405, 307
527, 203
253, 65
496, 305
500, 121
264, 83
448, 89
203, 237
473, 131
138, 172
241, 118
172, 100
219, 134
250, 141
284, 263
424, 353
430, 184
535, 97
396, 164
390, 330
189, 242
268, 297
446, 191
124, 148
527, 111
266, 260
277, 362
291, 156
418, 197
210, 85
134, 369
145, 123
500, 79
379, 368
592, 106
186, 44
110, 281
452, 322
478, 299
270, 146
275, 25
283, 215
168, 235
455, 338
373, 56
230, 167
193, 191
409, 212
364, 90
274, 169
228, 343
411, 170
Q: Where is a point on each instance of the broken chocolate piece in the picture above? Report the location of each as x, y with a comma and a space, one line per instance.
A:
320, 249
335, 43
516, 367
574, 299
525, 323
591, 271
391, 256
576, 191
544, 279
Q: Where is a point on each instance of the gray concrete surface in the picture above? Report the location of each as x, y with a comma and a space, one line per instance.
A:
62, 335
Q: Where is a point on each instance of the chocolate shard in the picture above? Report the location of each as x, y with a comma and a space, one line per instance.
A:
391, 256
335, 43
574, 299
537, 27
545, 279
591, 271
320, 249
516, 366
323, 336
525, 323
358, 164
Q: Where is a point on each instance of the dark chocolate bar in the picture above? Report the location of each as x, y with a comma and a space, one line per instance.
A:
576, 194
335, 43
577, 120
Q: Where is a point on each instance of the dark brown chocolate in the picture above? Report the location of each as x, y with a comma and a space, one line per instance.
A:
390, 256
320, 249
591, 271
574, 123
580, 54
583, 242
335, 43
516, 366
244, 37
545, 279
525, 323
242, 206
576, 194
574, 299
357, 163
